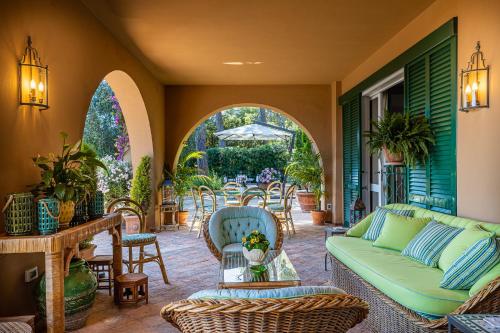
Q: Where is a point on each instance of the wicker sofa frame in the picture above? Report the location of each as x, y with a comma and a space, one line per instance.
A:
386, 315
311, 314
217, 254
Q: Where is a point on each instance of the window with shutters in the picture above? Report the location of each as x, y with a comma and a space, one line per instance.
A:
430, 90
351, 135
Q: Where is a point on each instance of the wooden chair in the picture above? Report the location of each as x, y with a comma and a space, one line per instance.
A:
232, 194
208, 201
139, 240
306, 314
198, 213
284, 211
251, 193
274, 193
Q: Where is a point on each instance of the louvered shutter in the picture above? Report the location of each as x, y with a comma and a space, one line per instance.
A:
430, 90
351, 131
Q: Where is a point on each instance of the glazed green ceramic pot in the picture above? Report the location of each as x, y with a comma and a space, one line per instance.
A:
79, 294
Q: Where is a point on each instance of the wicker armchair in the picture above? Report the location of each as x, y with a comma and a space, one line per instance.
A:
224, 229
312, 314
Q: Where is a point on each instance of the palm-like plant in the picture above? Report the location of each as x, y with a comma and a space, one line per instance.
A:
184, 176
412, 137
306, 169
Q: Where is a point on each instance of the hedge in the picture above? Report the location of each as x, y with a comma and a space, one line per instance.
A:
230, 161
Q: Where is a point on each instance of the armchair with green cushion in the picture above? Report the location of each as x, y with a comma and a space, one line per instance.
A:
225, 228
296, 309
404, 292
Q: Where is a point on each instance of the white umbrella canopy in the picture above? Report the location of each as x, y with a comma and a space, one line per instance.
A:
254, 132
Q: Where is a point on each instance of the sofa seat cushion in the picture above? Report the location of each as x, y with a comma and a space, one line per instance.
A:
406, 281
281, 293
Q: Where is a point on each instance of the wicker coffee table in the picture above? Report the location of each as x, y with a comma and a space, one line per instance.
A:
235, 273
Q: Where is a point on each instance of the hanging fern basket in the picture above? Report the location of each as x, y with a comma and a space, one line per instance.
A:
392, 158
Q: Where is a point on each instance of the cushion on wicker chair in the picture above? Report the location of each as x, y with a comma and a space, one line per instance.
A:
276, 207
136, 239
280, 293
228, 225
234, 247
410, 283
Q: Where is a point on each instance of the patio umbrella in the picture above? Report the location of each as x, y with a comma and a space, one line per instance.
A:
257, 131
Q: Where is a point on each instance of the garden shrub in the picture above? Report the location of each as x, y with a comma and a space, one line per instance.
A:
116, 183
141, 184
230, 161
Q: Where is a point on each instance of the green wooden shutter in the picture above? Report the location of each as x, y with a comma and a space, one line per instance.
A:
351, 134
430, 90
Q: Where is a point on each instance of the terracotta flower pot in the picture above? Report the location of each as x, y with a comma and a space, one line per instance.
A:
392, 158
307, 201
87, 253
66, 211
181, 217
318, 216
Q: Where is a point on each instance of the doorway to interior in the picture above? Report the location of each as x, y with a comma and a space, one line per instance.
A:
381, 184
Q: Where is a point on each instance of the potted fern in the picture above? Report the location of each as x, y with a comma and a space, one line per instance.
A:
402, 138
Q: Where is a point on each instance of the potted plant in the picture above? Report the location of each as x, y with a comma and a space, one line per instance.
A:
86, 248
306, 170
140, 192
64, 177
182, 179
255, 246
402, 138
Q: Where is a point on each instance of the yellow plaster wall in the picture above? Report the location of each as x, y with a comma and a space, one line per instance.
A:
80, 52
478, 156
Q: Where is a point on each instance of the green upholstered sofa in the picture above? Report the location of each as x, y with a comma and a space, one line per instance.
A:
404, 295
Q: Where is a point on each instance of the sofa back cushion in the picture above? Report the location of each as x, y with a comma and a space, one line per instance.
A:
460, 244
228, 225
399, 230
378, 220
428, 245
454, 221
472, 264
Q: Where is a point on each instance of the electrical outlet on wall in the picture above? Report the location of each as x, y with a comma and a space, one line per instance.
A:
329, 206
31, 274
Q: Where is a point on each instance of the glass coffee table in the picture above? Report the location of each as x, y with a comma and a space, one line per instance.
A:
235, 272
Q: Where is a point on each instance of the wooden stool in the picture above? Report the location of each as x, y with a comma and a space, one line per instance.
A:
103, 267
132, 288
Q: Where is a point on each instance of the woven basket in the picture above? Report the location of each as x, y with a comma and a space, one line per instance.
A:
96, 205
48, 216
19, 212
81, 213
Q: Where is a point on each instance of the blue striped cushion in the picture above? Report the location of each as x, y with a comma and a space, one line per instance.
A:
378, 221
427, 246
476, 261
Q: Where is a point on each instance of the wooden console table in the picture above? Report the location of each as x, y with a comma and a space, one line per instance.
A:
59, 248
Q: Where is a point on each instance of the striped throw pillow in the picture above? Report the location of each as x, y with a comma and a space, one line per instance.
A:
476, 261
427, 246
378, 220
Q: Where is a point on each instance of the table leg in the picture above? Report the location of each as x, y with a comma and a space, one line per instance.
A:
54, 291
117, 259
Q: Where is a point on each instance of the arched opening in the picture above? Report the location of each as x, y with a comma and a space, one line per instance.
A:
236, 160
118, 122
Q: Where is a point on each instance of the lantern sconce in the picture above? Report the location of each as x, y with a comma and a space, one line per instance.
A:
33, 79
474, 83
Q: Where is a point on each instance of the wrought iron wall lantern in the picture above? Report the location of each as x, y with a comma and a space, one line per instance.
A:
474, 87
33, 79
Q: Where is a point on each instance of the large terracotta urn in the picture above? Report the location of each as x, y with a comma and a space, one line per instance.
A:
307, 201
79, 294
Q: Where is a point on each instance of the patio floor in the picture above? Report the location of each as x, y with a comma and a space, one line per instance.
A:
191, 267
